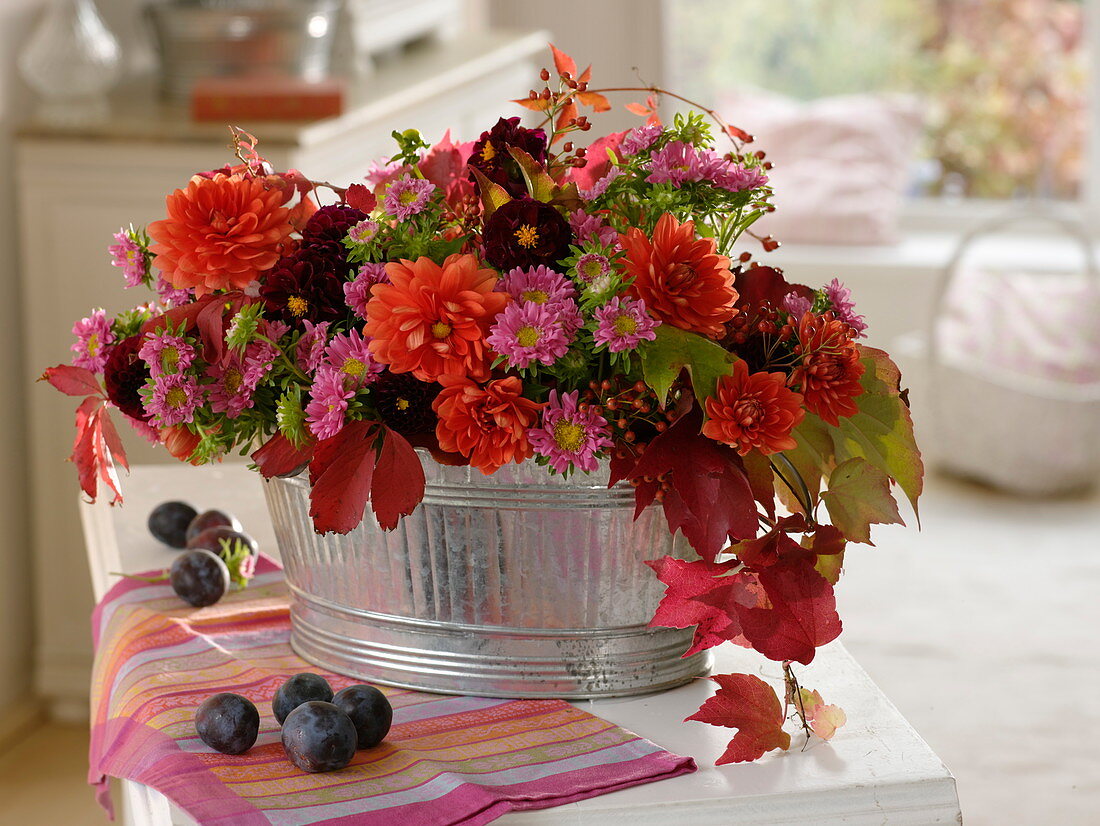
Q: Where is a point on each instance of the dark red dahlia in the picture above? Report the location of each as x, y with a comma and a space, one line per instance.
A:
492, 159
405, 403
526, 233
328, 226
124, 375
306, 285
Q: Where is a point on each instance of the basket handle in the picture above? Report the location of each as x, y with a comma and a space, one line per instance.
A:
1069, 225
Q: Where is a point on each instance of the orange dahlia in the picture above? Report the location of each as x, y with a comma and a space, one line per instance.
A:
682, 279
432, 320
488, 425
753, 411
221, 232
829, 371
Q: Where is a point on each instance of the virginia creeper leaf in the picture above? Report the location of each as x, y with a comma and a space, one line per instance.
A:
682, 607
750, 705
598, 102
563, 62
111, 438
340, 474
674, 350
73, 381
822, 719
765, 285
535, 105
565, 117
859, 496
801, 615
882, 431
761, 479
773, 547
279, 457
91, 453
830, 566
707, 496
398, 483
361, 198
812, 458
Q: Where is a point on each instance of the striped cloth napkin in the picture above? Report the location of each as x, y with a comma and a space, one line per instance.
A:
447, 760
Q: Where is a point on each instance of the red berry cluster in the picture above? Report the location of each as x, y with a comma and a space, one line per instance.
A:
632, 410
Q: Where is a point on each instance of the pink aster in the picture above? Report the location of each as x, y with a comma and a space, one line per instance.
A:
540, 285
843, 306
363, 232
600, 187
328, 403
347, 353
166, 353
236, 379
528, 332
407, 196
569, 436
357, 291
174, 399
592, 266
93, 340
171, 297
738, 178
591, 228
639, 139
796, 305
623, 323
129, 255
311, 345
676, 163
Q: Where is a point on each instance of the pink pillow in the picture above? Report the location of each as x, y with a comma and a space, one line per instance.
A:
842, 164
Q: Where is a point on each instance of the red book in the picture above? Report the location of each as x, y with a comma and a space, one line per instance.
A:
226, 99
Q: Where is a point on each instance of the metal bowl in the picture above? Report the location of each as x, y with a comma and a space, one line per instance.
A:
233, 38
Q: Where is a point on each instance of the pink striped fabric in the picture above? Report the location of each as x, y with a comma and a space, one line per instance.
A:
447, 760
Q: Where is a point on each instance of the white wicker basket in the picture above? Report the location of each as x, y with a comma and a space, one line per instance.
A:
1017, 432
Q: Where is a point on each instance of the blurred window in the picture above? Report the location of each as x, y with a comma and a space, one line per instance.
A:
1001, 83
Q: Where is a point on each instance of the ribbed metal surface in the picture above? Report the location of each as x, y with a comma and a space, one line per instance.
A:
519, 584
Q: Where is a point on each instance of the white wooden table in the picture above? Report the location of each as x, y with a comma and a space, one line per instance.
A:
877, 770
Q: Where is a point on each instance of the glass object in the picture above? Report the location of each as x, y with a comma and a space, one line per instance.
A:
71, 60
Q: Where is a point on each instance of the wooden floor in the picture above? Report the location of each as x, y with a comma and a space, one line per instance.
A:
981, 628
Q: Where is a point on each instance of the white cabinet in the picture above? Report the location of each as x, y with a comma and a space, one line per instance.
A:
76, 188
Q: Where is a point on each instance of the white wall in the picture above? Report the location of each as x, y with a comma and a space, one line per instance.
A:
16, 682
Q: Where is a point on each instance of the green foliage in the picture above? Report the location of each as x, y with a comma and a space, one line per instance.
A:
859, 496
243, 326
409, 145
674, 350
129, 322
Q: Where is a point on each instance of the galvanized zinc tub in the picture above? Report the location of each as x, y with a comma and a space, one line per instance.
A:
519, 584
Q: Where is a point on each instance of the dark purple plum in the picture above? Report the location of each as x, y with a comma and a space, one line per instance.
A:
301, 688
211, 519
169, 520
318, 737
369, 710
228, 723
199, 577
211, 539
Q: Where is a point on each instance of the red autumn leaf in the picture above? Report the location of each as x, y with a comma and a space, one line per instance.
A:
822, 719
586, 75
340, 475
91, 453
596, 162
697, 593
446, 161
535, 105
565, 117
73, 381
279, 457
638, 109
773, 547
740, 134
598, 102
110, 437
750, 705
398, 484
361, 198
563, 62
801, 615
759, 285
707, 496
827, 541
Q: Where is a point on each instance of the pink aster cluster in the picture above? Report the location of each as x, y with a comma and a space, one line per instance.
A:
600, 187
593, 269
796, 305
349, 356
407, 196
570, 436
328, 404
171, 296
237, 377
639, 139
678, 163
128, 254
526, 332
357, 291
311, 346
166, 354
623, 323
173, 399
363, 232
540, 285
843, 306
93, 340
588, 228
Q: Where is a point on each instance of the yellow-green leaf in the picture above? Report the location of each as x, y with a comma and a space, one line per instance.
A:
858, 497
674, 350
493, 195
538, 180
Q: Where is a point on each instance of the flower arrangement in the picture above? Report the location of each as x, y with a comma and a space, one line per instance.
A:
521, 298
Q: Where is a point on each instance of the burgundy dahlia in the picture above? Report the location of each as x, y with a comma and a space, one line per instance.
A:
405, 403
491, 157
306, 285
328, 226
124, 375
526, 233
